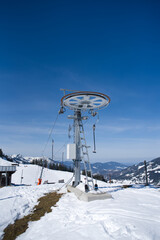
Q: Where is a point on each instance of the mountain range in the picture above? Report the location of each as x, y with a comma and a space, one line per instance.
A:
136, 173
114, 170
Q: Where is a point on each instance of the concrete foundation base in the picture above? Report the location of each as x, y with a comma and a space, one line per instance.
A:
87, 197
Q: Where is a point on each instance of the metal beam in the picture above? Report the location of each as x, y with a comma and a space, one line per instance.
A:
77, 141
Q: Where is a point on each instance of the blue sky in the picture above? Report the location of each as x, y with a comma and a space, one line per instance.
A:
108, 46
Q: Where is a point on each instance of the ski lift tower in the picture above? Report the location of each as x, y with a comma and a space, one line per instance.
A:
79, 102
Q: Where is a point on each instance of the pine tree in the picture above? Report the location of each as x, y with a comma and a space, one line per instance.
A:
1, 153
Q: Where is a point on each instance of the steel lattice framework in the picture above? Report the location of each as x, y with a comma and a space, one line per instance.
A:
79, 101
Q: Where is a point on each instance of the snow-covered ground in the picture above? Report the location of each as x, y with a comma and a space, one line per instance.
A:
31, 173
15, 202
132, 213
5, 163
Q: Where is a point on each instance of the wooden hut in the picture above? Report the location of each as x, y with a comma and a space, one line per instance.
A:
5, 175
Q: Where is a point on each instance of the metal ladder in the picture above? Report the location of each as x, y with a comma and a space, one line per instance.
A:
85, 156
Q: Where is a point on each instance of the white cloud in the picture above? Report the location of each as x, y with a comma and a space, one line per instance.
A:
133, 126
23, 129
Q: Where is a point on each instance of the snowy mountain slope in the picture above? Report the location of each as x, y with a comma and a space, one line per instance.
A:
132, 213
136, 173
97, 168
107, 167
29, 174
18, 158
17, 200
118, 171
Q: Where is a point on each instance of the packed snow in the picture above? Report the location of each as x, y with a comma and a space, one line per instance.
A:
28, 174
126, 216
4, 162
132, 213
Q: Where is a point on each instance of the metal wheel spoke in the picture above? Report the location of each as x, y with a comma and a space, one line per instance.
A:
86, 101
86, 98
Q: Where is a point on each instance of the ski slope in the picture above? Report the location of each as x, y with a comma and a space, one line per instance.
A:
132, 213
31, 173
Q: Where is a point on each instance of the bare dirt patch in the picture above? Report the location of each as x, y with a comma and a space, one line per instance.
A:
20, 225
